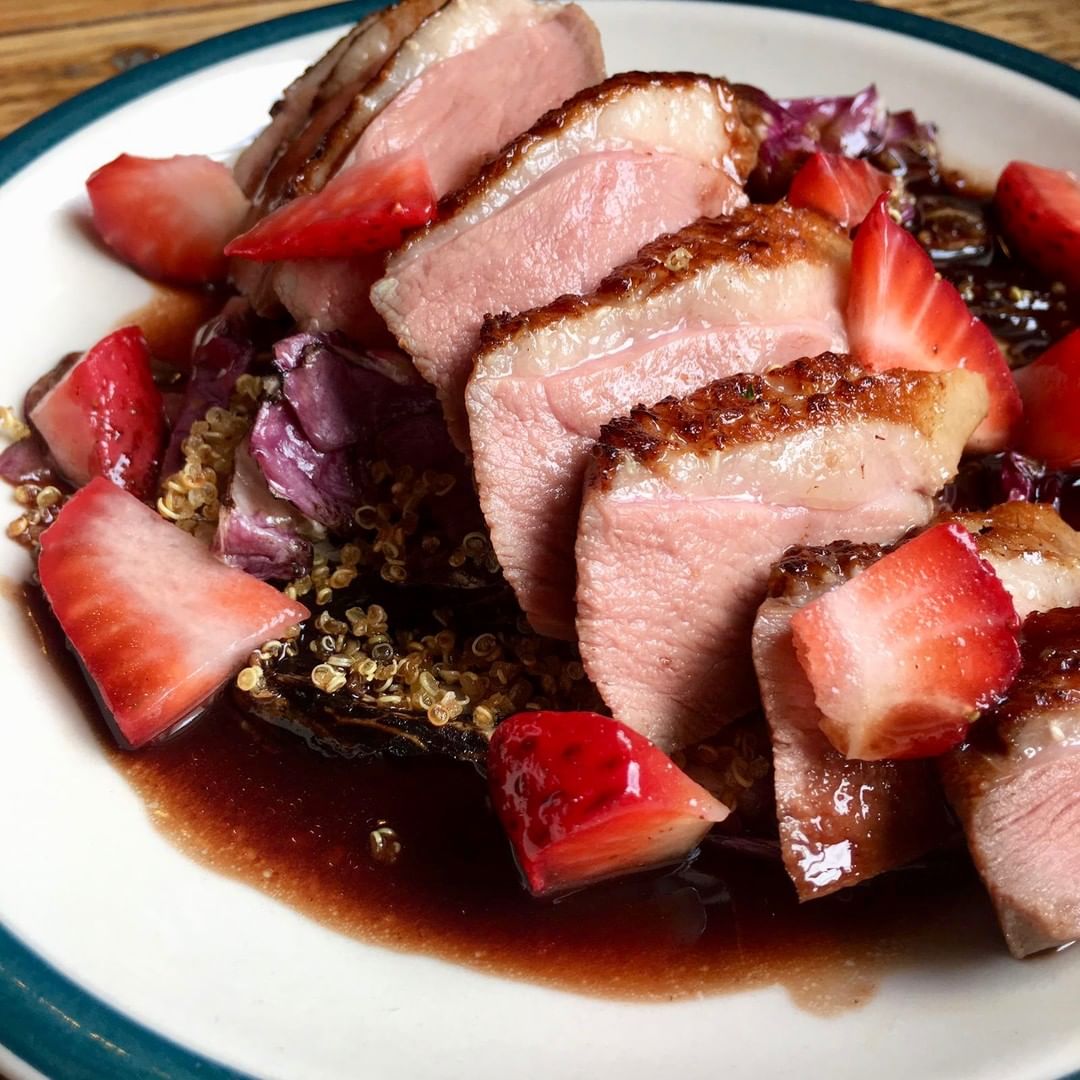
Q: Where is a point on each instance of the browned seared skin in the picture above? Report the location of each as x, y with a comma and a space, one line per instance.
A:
743, 153
1015, 527
401, 20
805, 572
826, 389
760, 236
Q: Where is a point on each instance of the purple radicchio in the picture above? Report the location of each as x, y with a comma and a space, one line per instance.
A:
342, 398
28, 462
790, 130
320, 484
257, 532
224, 350
344, 419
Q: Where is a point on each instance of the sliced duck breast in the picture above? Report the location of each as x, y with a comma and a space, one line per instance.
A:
1015, 786
843, 821
688, 504
840, 821
1034, 552
291, 113
452, 85
593, 181
738, 294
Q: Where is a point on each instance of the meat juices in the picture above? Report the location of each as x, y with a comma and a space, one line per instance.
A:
739, 294
457, 59
1015, 786
840, 821
688, 504
583, 191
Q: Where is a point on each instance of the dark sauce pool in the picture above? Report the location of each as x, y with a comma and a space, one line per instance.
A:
256, 803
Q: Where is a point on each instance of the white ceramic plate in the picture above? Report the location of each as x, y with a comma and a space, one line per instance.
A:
168, 969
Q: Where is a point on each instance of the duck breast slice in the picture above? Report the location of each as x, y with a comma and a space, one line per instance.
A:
593, 181
1015, 785
724, 295
688, 504
841, 821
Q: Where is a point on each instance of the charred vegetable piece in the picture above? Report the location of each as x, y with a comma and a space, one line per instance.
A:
364, 209
170, 218
105, 416
1050, 388
583, 798
841, 188
1039, 211
900, 314
158, 623
902, 657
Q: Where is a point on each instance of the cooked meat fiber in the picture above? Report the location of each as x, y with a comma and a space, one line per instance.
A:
840, 821
739, 294
1015, 786
452, 85
688, 504
619, 164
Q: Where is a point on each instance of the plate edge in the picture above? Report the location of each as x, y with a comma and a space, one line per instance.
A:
37, 1001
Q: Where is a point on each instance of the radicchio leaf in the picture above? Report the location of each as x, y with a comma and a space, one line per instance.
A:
790, 130
257, 532
320, 484
224, 350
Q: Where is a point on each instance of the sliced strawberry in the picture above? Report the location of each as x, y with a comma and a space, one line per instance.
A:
1050, 388
904, 655
105, 417
1039, 211
900, 314
364, 209
170, 218
839, 187
583, 797
157, 621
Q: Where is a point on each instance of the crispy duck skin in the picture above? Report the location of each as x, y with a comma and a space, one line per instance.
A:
689, 503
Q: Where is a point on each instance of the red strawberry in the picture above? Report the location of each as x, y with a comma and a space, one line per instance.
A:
105, 416
900, 314
170, 218
583, 797
839, 187
903, 656
1051, 391
158, 623
364, 209
1039, 211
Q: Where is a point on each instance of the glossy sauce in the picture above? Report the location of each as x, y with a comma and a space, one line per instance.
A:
256, 803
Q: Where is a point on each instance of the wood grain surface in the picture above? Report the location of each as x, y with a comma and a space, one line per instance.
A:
51, 49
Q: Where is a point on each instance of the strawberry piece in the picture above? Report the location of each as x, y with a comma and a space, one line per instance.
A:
1039, 211
158, 623
583, 798
170, 218
105, 417
839, 187
366, 208
903, 656
900, 314
1050, 388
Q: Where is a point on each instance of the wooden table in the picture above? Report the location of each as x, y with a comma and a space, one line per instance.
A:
51, 49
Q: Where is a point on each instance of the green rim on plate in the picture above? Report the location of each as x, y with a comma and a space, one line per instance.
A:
46, 1019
